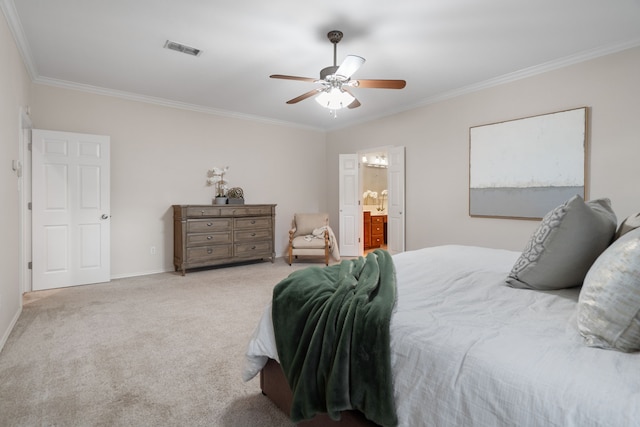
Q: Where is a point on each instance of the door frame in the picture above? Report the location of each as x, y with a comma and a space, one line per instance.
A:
359, 154
24, 213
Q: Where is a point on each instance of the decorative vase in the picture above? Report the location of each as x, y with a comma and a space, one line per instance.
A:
220, 201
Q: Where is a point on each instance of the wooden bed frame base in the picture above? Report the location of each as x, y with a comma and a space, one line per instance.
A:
274, 385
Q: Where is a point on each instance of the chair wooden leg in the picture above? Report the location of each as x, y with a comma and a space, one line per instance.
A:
290, 254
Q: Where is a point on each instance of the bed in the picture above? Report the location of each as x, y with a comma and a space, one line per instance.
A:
468, 349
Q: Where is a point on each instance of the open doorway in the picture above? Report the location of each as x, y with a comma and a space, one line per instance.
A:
375, 192
351, 200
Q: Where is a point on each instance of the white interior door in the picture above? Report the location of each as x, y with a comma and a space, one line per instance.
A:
71, 205
395, 201
350, 239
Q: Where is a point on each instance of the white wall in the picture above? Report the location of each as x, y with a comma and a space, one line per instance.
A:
437, 147
14, 92
160, 157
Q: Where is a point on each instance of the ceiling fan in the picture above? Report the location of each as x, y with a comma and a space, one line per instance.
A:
336, 81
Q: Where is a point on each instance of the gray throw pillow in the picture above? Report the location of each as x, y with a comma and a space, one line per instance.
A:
567, 242
609, 303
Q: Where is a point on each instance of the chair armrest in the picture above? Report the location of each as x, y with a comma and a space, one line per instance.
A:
292, 233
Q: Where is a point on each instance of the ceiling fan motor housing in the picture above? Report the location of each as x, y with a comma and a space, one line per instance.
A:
334, 36
328, 71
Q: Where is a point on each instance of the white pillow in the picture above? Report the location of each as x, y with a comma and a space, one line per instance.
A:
567, 242
609, 302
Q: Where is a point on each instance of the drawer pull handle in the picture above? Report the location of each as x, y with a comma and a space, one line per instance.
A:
209, 237
253, 248
253, 234
202, 212
209, 251
253, 221
209, 224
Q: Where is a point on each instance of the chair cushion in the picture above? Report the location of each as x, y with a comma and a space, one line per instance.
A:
305, 223
301, 243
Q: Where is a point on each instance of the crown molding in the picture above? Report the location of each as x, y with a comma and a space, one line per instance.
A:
15, 26
64, 84
535, 70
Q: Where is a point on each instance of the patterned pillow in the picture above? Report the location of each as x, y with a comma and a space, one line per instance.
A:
609, 303
567, 242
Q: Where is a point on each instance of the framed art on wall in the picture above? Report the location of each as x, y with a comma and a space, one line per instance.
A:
524, 168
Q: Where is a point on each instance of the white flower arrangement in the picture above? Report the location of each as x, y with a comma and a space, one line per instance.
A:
369, 195
216, 177
383, 196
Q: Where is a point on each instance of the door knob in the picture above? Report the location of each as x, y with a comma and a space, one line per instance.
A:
104, 216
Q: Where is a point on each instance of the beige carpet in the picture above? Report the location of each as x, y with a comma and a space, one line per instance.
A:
157, 350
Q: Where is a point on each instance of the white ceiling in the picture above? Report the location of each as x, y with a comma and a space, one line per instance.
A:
441, 48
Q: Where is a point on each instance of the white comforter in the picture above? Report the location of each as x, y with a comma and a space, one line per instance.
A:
467, 350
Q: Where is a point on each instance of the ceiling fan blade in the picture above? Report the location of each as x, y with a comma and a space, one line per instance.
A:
304, 96
355, 103
282, 76
381, 84
350, 65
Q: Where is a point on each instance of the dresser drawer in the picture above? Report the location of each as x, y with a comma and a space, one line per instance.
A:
377, 219
204, 239
377, 229
208, 225
376, 241
248, 250
252, 235
256, 222
248, 210
204, 253
200, 211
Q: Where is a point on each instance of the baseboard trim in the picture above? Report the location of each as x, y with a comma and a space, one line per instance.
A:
5, 337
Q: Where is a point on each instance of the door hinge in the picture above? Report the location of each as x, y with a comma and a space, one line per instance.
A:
30, 265
29, 206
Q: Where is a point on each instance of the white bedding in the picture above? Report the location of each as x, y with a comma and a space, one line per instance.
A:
467, 350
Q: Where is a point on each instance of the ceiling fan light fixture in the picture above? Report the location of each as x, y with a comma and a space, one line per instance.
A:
334, 99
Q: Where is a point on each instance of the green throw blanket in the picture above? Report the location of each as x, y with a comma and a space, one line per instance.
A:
332, 334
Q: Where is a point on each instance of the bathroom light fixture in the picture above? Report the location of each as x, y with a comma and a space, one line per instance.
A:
376, 162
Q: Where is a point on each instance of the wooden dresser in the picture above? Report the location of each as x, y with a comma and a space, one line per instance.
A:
377, 230
207, 235
374, 230
367, 229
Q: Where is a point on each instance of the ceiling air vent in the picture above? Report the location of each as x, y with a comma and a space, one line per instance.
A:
179, 47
